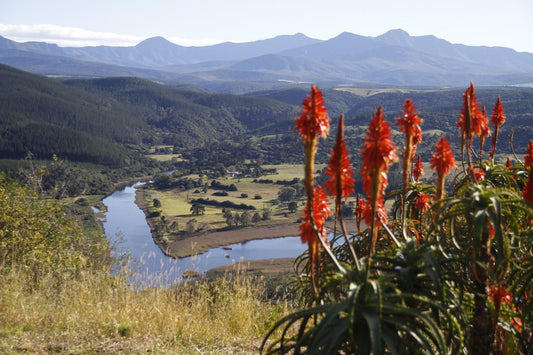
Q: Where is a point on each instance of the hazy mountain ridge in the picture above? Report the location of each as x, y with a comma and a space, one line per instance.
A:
393, 58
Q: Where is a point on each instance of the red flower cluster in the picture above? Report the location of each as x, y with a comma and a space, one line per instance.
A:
418, 169
498, 116
313, 119
409, 125
377, 154
528, 162
473, 121
422, 203
479, 174
341, 182
443, 158
320, 211
499, 295
528, 158
381, 212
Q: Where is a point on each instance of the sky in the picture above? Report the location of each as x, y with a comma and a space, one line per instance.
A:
506, 23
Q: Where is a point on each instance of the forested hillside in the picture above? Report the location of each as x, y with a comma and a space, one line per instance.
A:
104, 120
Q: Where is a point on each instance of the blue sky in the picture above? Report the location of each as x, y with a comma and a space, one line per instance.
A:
200, 22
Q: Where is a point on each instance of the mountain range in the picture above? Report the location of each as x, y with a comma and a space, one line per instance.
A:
394, 58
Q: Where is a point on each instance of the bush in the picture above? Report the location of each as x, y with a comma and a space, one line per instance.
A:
157, 203
37, 236
225, 204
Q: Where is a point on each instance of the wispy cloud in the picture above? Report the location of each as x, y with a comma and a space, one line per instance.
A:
78, 37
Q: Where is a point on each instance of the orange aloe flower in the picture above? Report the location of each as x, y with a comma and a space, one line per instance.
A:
359, 211
472, 122
381, 212
528, 158
508, 163
484, 129
479, 174
497, 119
320, 211
377, 154
528, 162
312, 123
313, 119
409, 125
499, 295
418, 169
443, 160
422, 202
341, 182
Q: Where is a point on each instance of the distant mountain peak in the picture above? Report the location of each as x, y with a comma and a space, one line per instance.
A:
397, 32
157, 41
394, 35
397, 37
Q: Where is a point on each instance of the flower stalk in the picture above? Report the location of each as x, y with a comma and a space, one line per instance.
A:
443, 160
377, 154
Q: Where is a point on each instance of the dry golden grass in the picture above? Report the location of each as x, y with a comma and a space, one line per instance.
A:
99, 313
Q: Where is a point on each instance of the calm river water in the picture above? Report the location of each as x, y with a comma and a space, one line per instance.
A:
126, 227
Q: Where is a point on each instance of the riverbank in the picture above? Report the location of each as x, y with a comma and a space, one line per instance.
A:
266, 267
202, 243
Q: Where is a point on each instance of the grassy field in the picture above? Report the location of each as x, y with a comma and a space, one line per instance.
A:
165, 157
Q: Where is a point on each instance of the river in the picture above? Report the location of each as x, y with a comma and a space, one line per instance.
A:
126, 228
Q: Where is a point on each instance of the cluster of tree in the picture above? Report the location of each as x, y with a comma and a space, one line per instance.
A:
263, 181
224, 204
217, 185
291, 193
245, 218
288, 182
167, 181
